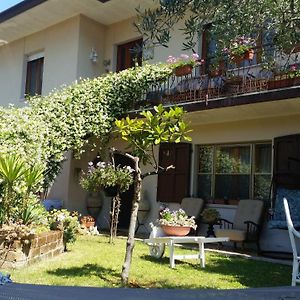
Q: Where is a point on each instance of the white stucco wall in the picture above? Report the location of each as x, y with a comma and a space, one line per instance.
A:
60, 46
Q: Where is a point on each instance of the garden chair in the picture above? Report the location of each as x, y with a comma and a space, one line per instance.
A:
246, 225
293, 233
193, 207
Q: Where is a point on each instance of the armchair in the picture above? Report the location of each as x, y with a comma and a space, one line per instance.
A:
246, 225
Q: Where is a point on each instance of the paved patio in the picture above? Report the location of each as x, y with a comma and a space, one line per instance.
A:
38, 292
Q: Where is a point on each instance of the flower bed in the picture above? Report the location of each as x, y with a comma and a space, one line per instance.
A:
20, 253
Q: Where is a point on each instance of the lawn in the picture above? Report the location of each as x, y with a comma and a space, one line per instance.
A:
92, 261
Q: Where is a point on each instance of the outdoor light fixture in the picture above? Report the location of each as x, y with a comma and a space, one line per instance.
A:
94, 56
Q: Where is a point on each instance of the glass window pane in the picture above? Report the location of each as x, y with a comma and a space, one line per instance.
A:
262, 185
233, 159
205, 159
263, 156
204, 187
232, 187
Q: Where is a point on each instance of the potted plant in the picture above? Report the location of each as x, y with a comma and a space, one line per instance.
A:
240, 49
184, 64
105, 176
87, 221
176, 222
210, 215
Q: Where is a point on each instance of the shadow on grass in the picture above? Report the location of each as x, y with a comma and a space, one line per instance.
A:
106, 274
249, 273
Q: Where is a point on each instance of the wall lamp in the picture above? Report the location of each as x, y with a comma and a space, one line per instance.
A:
94, 55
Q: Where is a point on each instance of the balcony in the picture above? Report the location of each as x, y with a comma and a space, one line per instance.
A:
247, 81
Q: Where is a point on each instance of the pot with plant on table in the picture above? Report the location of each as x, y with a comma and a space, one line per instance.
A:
176, 223
211, 217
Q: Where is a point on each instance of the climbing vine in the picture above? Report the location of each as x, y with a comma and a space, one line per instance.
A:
66, 119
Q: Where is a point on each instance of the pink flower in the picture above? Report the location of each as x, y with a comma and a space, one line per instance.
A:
195, 56
293, 67
184, 56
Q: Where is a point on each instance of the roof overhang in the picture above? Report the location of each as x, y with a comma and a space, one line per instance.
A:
30, 16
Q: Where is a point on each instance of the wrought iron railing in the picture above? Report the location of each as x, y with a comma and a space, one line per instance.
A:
246, 76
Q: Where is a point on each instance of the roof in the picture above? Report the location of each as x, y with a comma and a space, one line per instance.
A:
31, 16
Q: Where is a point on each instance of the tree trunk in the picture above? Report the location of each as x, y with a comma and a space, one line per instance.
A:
133, 218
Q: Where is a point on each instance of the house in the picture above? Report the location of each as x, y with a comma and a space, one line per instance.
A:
236, 127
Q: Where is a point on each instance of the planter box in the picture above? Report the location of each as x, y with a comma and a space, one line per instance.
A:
17, 254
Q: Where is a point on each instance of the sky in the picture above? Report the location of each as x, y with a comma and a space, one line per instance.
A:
5, 4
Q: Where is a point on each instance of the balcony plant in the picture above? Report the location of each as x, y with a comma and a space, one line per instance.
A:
184, 64
210, 215
176, 222
239, 49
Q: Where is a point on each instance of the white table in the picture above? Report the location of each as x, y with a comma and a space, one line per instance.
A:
172, 240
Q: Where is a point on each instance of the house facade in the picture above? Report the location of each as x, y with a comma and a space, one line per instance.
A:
51, 43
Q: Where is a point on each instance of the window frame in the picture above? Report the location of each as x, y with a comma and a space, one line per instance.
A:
35, 60
213, 173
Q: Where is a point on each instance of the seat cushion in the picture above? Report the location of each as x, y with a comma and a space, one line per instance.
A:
233, 234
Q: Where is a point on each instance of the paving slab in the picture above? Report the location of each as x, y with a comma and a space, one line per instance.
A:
16, 291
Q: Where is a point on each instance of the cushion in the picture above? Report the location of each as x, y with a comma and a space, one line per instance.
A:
233, 234
192, 206
248, 210
293, 198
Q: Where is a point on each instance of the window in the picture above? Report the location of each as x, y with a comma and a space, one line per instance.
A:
34, 74
234, 172
129, 54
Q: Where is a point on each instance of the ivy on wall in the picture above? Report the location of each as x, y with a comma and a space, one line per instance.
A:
64, 119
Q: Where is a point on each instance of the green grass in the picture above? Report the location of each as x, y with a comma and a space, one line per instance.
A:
92, 261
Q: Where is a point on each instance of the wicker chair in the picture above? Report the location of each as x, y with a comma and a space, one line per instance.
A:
246, 225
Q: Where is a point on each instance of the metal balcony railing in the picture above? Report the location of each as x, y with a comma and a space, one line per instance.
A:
236, 78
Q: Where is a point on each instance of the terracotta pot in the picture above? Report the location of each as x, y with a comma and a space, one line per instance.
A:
249, 55
183, 70
237, 59
282, 83
88, 224
176, 230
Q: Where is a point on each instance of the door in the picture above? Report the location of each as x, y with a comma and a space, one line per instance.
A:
174, 184
126, 197
128, 54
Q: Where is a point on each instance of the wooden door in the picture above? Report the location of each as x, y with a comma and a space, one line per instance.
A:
174, 185
127, 54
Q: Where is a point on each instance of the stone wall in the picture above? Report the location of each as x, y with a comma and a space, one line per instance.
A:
38, 247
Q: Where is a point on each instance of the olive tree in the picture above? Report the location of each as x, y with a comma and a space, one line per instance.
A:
228, 18
142, 135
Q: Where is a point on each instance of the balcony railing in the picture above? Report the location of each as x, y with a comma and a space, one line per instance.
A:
246, 77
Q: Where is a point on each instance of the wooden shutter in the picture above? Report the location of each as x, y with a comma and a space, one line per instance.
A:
174, 185
286, 170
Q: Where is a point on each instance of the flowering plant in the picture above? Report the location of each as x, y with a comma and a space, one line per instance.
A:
294, 71
176, 218
210, 215
85, 219
185, 60
105, 175
239, 47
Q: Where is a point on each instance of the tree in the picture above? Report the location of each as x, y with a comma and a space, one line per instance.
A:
229, 18
142, 135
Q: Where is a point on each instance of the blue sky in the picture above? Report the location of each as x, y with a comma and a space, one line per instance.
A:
5, 4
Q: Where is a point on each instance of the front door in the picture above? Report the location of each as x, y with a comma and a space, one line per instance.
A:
174, 184
128, 54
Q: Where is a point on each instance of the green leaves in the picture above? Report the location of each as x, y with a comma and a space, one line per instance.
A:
165, 126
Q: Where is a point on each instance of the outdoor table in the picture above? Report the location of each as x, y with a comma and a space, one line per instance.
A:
172, 240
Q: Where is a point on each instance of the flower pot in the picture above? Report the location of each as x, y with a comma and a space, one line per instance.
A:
183, 70
237, 59
249, 55
176, 230
88, 224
